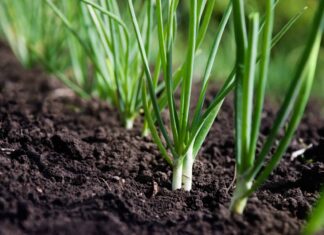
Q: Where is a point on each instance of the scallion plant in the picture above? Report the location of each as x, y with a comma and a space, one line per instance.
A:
112, 50
180, 145
252, 168
316, 220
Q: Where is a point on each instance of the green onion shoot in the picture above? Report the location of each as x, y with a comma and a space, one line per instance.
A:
113, 52
252, 168
181, 144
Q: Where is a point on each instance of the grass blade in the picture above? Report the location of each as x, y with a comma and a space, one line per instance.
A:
261, 83
187, 79
210, 63
247, 89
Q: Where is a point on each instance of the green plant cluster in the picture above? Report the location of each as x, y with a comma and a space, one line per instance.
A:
28, 28
124, 53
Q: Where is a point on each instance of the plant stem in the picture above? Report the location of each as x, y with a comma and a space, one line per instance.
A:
241, 45
129, 123
177, 175
239, 201
146, 129
187, 169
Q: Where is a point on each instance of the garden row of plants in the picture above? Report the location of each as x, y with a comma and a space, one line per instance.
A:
122, 52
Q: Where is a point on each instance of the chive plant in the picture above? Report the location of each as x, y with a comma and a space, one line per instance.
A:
252, 168
180, 145
113, 52
316, 221
32, 31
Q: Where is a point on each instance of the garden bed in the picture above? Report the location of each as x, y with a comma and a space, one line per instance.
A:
68, 166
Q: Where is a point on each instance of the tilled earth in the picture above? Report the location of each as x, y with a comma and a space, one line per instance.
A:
67, 166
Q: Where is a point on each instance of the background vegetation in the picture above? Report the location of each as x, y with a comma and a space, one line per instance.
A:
284, 55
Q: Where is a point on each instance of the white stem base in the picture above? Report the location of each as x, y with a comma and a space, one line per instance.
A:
187, 170
177, 176
146, 131
238, 202
129, 123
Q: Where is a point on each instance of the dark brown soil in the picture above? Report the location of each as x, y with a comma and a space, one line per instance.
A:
68, 167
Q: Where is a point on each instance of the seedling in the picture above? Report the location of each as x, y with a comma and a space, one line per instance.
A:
180, 149
113, 52
252, 169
